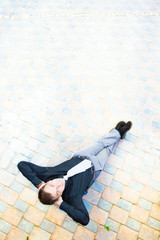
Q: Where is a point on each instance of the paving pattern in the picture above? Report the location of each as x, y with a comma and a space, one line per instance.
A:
69, 72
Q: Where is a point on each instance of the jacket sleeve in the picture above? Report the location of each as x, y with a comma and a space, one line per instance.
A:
32, 172
76, 209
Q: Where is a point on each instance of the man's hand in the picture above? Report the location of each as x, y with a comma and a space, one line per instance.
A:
59, 201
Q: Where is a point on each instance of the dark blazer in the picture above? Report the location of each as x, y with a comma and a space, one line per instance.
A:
74, 189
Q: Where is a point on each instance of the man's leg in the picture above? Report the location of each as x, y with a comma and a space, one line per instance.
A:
98, 152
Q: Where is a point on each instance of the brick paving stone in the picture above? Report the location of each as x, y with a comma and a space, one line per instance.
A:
3, 206
103, 234
148, 233
125, 204
77, 138
65, 153
72, 124
2, 236
26, 226
12, 215
5, 226
139, 153
111, 195
155, 152
126, 233
39, 234
135, 225
55, 215
128, 168
60, 138
130, 137
70, 225
155, 212
46, 153
87, 205
3, 145
150, 194
121, 153
145, 204
21, 179
113, 225
61, 234
141, 177
17, 145
147, 169
119, 215
151, 160
122, 177
47, 226
17, 234
155, 185
66, 131
4, 161
71, 146
1, 187
154, 223
105, 178
42, 207
97, 186
105, 205
115, 161
42, 138
98, 215
83, 233
136, 186
6, 178
33, 145
141, 144
133, 161
109, 169
17, 187
156, 176
130, 195
126, 145
117, 186
92, 226
29, 196
12, 168
34, 215
92, 196
20, 205
139, 214
8, 196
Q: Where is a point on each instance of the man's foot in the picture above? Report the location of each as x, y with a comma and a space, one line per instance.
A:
123, 128
120, 125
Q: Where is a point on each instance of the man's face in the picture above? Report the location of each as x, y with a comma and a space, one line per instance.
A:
55, 187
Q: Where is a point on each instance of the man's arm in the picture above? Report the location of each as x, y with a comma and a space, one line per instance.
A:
76, 209
32, 172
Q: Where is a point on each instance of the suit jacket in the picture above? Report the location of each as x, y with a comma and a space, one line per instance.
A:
74, 189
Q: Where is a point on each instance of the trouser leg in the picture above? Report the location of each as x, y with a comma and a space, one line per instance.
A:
98, 152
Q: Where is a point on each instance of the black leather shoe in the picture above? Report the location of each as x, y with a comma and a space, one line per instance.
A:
120, 125
125, 129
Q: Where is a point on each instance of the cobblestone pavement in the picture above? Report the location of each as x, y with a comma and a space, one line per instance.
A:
68, 73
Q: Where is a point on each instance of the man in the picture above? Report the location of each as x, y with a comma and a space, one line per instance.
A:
66, 183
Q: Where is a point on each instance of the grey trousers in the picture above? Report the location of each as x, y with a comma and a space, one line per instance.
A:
99, 151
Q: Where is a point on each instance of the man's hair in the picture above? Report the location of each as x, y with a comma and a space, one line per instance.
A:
45, 197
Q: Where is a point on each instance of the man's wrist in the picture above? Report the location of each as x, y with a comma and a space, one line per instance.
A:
40, 185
